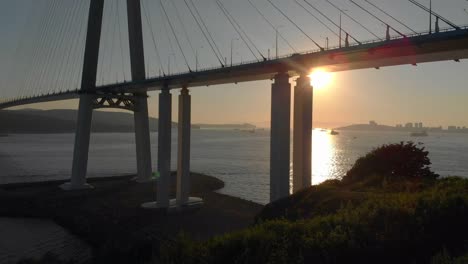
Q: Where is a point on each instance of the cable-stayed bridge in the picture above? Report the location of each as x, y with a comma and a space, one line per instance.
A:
95, 55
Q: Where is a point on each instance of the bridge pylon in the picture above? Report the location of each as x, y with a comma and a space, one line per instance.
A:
91, 99
85, 108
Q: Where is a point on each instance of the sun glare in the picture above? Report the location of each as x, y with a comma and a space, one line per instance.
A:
320, 79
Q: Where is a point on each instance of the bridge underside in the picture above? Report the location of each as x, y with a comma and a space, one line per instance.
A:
445, 46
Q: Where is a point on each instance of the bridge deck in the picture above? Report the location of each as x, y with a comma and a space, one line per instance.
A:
421, 48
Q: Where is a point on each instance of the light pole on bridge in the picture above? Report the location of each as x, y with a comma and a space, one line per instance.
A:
169, 63
232, 42
276, 38
196, 58
430, 16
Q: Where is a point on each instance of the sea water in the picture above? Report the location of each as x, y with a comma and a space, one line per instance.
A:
239, 158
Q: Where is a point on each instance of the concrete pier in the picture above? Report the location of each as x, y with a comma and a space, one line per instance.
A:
280, 137
183, 148
164, 148
302, 141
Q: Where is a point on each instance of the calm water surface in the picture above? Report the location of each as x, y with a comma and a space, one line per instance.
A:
240, 159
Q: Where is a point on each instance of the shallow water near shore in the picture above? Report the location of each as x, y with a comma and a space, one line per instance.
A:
239, 158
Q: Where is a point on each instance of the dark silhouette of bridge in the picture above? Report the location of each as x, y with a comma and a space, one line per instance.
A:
403, 49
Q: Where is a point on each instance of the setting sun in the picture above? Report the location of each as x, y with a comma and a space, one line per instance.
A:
320, 79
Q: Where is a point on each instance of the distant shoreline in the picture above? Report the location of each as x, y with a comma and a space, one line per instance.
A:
376, 128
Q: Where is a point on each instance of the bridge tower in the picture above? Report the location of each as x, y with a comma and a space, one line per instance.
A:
91, 99
88, 90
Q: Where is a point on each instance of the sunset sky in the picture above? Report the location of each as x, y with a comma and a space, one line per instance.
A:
434, 93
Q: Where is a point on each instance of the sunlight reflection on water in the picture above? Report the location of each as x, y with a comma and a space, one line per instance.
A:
240, 159
323, 156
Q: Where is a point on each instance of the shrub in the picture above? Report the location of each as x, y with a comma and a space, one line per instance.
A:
392, 164
385, 228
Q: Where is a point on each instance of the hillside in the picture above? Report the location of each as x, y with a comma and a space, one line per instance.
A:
64, 121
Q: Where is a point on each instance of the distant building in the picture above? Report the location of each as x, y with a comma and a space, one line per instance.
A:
452, 128
409, 125
420, 125
372, 123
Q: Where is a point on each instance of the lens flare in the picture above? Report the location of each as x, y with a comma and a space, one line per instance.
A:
320, 79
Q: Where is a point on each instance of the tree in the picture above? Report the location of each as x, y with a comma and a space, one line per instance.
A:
392, 163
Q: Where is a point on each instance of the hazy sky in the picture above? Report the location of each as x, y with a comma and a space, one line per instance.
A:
434, 93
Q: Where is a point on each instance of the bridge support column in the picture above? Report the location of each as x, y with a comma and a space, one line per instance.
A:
164, 152
302, 141
142, 139
164, 148
280, 137
183, 154
82, 138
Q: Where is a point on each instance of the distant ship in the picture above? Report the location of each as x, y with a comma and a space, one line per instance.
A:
334, 133
419, 134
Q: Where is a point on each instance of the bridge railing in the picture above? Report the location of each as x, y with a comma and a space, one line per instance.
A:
337, 47
4, 101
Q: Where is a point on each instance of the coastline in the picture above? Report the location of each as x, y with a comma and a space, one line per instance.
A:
109, 217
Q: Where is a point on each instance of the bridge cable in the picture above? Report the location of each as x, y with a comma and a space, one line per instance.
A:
39, 75
34, 52
435, 14
175, 35
207, 34
52, 54
233, 20
184, 29
158, 56
272, 26
374, 16
25, 83
112, 38
64, 32
243, 31
383, 11
67, 46
171, 46
338, 26
77, 49
102, 50
299, 28
237, 30
121, 40
72, 49
81, 50
355, 21
316, 18
68, 36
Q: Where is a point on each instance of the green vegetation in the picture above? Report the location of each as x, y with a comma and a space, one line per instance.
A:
402, 215
389, 208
